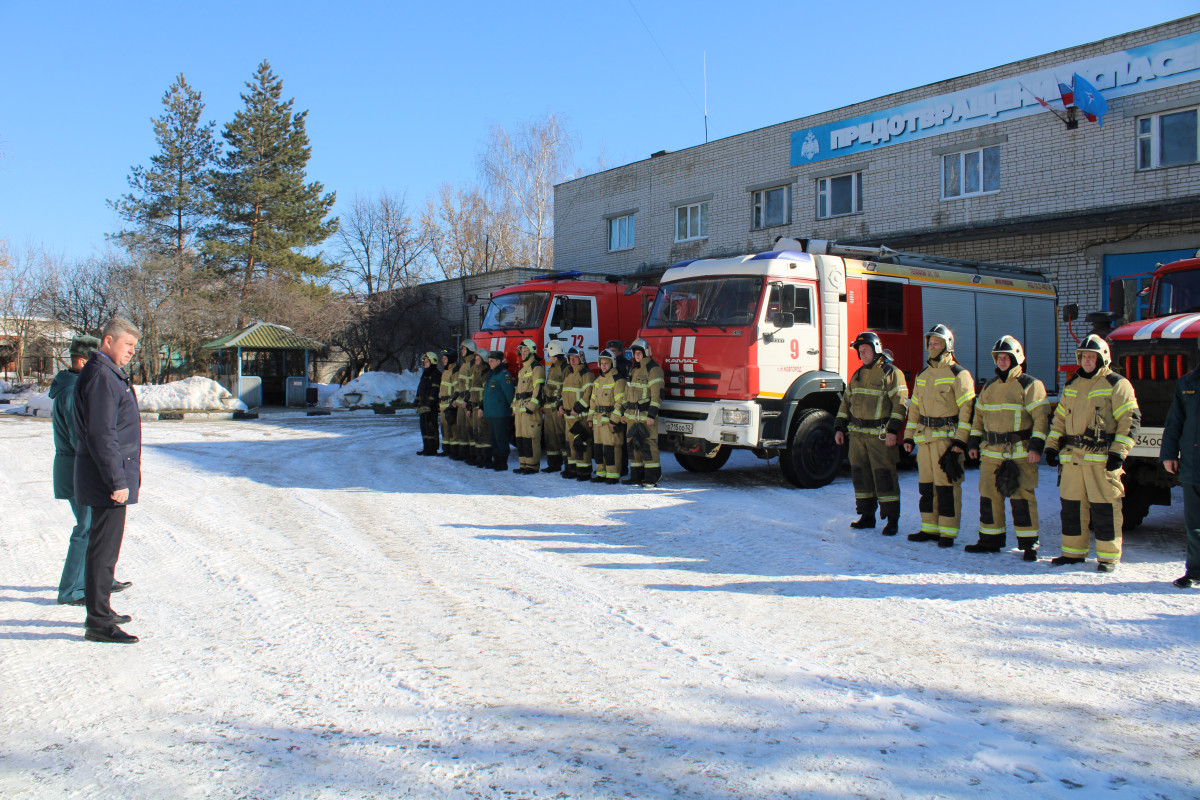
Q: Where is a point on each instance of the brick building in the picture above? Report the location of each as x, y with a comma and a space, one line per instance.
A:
972, 167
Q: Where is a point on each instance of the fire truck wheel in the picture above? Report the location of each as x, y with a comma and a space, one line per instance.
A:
813, 458
1134, 509
702, 463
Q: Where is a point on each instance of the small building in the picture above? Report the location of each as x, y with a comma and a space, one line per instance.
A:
264, 364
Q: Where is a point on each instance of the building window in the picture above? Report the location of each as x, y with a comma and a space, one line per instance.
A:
885, 306
772, 207
839, 195
691, 222
971, 172
620, 233
1164, 140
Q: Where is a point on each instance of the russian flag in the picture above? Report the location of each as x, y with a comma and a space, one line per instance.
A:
1068, 94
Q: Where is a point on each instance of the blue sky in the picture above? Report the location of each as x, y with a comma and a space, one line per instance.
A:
401, 95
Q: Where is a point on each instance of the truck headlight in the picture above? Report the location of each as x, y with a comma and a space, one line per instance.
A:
735, 416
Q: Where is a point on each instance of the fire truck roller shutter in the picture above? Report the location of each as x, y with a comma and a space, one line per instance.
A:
955, 308
996, 315
1040, 331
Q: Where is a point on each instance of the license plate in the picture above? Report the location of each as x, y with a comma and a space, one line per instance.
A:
678, 427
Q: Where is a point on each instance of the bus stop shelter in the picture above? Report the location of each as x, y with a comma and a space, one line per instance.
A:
263, 364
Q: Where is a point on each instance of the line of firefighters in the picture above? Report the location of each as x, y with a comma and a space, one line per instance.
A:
610, 419
473, 399
1008, 427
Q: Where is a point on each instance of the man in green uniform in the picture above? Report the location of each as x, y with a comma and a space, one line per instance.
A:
1094, 426
496, 408
872, 414
939, 420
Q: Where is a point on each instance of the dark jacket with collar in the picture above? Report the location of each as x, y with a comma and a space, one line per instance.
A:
1181, 433
108, 434
62, 392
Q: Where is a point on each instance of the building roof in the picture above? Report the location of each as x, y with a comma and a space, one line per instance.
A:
263, 336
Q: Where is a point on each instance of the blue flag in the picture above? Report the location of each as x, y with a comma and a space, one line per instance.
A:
1088, 99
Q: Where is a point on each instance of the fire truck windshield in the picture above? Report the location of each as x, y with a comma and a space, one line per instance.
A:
1178, 292
707, 301
516, 311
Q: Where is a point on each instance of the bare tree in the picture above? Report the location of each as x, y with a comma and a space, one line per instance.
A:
521, 168
467, 235
81, 296
386, 331
18, 284
382, 247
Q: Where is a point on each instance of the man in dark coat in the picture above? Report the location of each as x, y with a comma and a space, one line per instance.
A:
1180, 454
62, 392
498, 392
427, 404
108, 453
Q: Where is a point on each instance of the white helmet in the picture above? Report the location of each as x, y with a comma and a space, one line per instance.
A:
943, 333
554, 349
607, 354
1094, 344
640, 344
468, 345
1008, 345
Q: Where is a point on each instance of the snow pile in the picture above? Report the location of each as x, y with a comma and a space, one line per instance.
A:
376, 388
324, 390
28, 399
191, 394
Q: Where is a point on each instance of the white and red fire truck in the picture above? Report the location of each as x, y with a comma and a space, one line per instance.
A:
567, 307
1152, 352
756, 347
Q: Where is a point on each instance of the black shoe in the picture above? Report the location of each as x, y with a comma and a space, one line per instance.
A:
120, 586
598, 479
583, 476
1186, 582
1058, 561
441, 453
500, 468
81, 601
946, 541
425, 453
865, 521
922, 536
892, 527
114, 635
1106, 566
567, 474
551, 469
1029, 554
631, 481
121, 619
979, 547
612, 481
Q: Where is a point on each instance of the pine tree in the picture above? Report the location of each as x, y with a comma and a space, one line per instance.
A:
171, 198
267, 217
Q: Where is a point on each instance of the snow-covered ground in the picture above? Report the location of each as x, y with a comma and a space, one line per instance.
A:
325, 614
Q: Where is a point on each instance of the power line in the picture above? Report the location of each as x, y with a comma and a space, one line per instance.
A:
671, 66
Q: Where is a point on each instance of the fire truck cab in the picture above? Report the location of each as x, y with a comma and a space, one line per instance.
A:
756, 347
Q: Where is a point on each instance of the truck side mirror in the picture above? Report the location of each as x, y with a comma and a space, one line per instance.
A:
1070, 312
784, 319
787, 299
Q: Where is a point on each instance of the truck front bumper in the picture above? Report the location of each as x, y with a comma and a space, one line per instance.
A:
683, 425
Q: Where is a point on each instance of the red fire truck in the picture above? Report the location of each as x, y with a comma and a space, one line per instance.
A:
756, 347
568, 307
1154, 349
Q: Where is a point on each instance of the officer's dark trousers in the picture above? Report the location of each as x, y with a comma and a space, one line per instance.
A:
497, 428
1191, 521
104, 548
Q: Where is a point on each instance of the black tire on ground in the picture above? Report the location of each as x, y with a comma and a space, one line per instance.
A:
703, 464
1133, 510
813, 458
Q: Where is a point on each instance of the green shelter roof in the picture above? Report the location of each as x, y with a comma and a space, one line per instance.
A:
263, 336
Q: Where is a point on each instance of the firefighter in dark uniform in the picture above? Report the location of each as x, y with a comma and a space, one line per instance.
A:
621, 365
643, 399
480, 443
1092, 431
939, 422
445, 398
527, 408
427, 404
552, 418
576, 397
608, 425
1012, 420
1180, 454
872, 414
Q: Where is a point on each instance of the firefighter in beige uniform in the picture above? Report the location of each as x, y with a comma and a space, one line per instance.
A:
608, 426
939, 421
872, 414
576, 398
481, 445
643, 399
552, 418
1012, 419
462, 395
445, 399
1093, 430
527, 408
